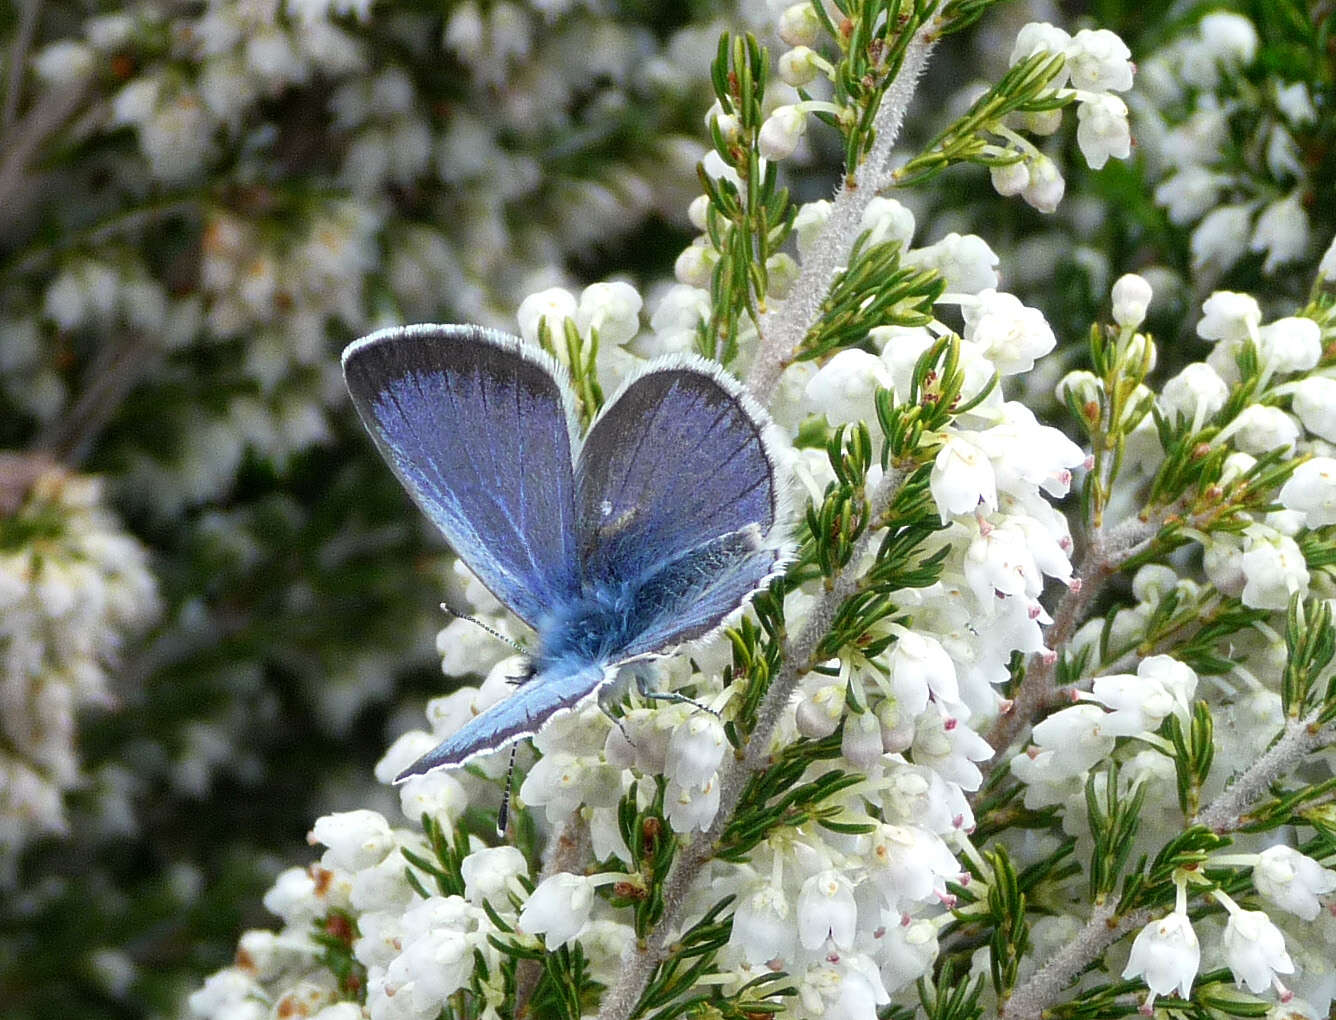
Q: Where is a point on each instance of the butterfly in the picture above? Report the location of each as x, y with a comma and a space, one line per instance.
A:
614, 547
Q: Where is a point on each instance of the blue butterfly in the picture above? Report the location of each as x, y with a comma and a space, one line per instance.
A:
644, 534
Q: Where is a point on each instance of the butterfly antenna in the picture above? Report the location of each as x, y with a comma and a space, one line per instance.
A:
478, 623
503, 815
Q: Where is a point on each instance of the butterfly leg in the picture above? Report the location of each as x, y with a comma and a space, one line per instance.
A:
644, 677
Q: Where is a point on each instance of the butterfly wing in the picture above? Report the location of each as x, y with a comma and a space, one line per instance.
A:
679, 457
691, 595
476, 425
563, 685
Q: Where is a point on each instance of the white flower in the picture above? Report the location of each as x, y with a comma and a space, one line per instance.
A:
1102, 130
781, 131
762, 928
1229, 38
809, 222
798, 66
885, 219
555, 305
1131, 298
1099, 61
999, 562
1314, 403
1046, 187
696, 749
611, 308
1229, 316
1166, 954
356, 839
918, 663
1274, 568
910, 949
1311, 490
799, 25
1261, 428
909, 865
1010, 178
1254, 949
558, 909
860, 743
844, 387
1162, 686
1292, 881
962, 479
1041, 37
1197, 393
1189, 193
1282, 232
1008, 333
1292, 344
436, 793
950, 748
1075, 738
1295, 103
966, 262
1222, 236
826, 910
490, 873
692, 807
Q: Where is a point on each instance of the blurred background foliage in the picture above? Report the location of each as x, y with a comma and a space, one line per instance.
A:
200, 204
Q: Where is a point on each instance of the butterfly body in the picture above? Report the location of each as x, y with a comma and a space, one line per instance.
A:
645, 534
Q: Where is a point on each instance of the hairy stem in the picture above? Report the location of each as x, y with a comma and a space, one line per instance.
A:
784, 327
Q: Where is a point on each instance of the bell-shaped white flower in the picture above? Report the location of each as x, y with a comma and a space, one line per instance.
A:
555, 305
781, 131
356, 839
845, 387
1292, 881
1314, 403
1291, 344
962, 479
1102, 130
695, 750
826, 910
489, 874
1229, 316
1099, 61
559, 908
1196, 393
611, 308
1254, 949
965, 261
909, 950
1131, 299
1273, 567
1311, 490
1166, 955
1008, 333
762, 925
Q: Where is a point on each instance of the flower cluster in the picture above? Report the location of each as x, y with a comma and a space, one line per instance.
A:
74, 588
1230, 158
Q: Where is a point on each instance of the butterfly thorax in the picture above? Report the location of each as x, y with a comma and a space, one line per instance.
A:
594, 628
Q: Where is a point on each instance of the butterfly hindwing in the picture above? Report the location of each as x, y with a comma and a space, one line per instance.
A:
679, 458
562, 685
691, 595
477, 428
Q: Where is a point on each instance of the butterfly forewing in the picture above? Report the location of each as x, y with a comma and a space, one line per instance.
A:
476, 427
